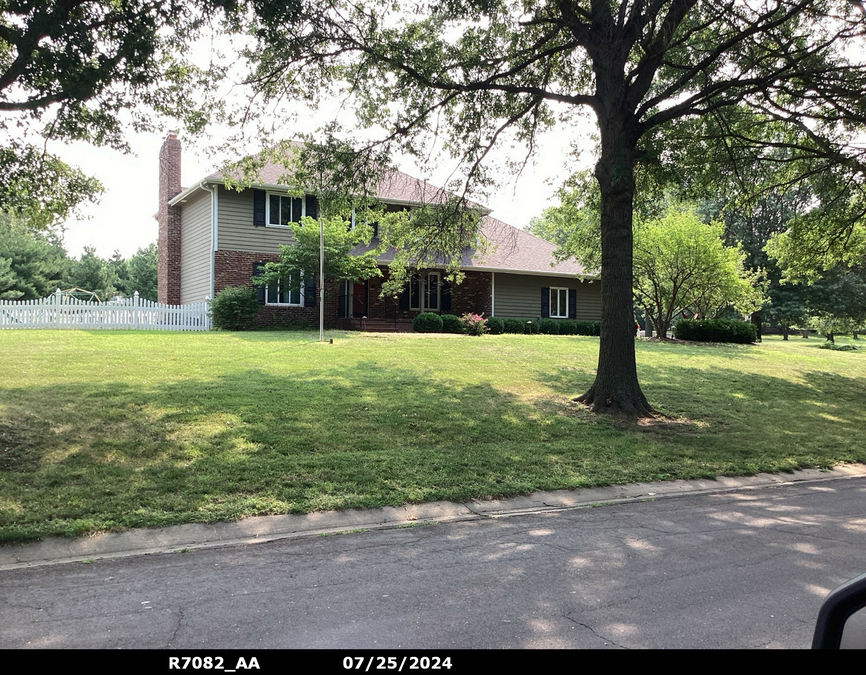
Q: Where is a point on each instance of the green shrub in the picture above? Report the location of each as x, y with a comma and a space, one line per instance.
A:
587, 328
451, 324
715, 330
233, 308
495, 326
567, 328
548, 327
513, 326
427, 322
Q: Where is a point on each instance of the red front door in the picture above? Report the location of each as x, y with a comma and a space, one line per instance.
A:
359, 299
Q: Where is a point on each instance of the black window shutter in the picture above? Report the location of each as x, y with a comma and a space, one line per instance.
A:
259, 197
404, 299
309, 292
312, 206
260, 290
572, 303
545, 303
446, 296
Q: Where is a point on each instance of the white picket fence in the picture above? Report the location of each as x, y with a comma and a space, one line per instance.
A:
63, 311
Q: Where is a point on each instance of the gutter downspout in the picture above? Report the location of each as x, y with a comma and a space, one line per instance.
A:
214, 205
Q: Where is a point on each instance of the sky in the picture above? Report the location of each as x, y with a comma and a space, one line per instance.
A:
123, 219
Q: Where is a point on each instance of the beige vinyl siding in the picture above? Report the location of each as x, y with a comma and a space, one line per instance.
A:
236, 232
195, 247
519, 296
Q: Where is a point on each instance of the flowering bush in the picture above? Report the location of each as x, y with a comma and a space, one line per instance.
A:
475, 324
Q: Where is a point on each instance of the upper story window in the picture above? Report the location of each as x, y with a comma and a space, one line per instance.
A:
283, 209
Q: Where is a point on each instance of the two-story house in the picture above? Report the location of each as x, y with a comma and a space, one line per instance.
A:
211, 238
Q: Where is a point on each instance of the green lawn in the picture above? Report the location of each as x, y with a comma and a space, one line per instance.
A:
105, 430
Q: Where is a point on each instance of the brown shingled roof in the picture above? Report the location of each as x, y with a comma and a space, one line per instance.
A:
511, 249
395, 186
516, 250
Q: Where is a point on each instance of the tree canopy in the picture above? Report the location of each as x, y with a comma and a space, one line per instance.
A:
342, 260
680, 263
86, 70
662, 78
32, 264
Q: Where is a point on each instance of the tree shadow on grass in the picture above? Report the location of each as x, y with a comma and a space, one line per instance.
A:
760, 422
81, 457
114, 455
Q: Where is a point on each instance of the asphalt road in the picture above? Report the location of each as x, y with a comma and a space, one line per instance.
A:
740, 569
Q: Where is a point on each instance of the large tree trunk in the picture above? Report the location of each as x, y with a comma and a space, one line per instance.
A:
616, 389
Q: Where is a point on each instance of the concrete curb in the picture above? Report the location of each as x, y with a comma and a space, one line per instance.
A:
271, 528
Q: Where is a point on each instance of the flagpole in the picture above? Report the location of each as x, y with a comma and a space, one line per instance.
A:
321, 280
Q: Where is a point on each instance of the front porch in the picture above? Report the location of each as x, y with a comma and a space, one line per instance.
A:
360, 305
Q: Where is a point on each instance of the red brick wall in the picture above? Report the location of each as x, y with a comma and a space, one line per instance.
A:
168, 217
472, 295
235, 268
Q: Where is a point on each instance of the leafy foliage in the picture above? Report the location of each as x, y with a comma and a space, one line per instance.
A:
836, 303
140, 274
427, 322
82, 71
514, 326
32, 264
344, 259
234, 308
548, 327
715, 330
92, 273
451, 323
681, 263
588, 327
474, 324
495, 325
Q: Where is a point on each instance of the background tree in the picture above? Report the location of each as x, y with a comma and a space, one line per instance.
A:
786, 306
837, 302
92, 273
481, 72
74, 71
141, 272
32, 264
680, 263
751, 222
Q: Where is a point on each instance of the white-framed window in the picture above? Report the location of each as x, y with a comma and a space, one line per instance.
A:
427, 289
283, 209
558, 303
282, 293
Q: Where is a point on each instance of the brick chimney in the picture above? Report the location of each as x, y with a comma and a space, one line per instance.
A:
168, 244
